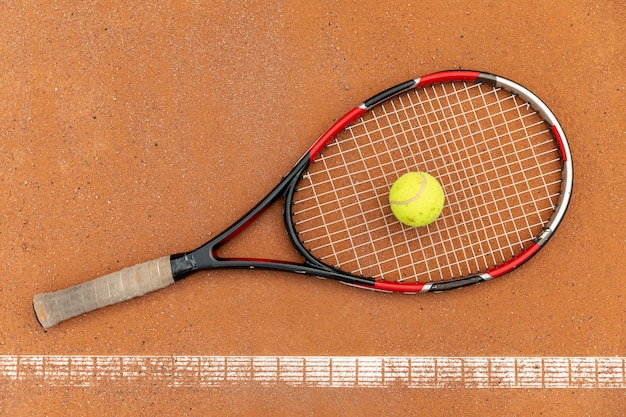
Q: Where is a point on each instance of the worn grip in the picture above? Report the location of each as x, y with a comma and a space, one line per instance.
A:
54, 307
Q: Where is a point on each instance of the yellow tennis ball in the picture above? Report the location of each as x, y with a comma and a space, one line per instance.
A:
416, 199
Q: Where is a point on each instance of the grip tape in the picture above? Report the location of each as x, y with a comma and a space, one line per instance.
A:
54, 307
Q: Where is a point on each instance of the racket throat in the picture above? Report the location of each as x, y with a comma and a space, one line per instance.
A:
184, 264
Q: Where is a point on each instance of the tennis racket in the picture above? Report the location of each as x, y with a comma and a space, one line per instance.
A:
498, 151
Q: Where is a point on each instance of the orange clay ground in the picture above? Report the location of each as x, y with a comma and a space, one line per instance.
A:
134, 130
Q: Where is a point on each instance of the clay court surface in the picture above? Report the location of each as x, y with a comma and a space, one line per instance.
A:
132, 131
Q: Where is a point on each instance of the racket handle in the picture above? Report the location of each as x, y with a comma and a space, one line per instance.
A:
54, 307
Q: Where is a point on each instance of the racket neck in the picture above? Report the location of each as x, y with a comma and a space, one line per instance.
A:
205, 257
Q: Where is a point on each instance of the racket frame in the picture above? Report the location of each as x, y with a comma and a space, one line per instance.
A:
205, 257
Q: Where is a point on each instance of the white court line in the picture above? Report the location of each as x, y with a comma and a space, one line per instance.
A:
318, 371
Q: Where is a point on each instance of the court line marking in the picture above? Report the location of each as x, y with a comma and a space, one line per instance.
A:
431, 372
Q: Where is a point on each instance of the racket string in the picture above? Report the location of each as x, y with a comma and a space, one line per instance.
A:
499, 177
380, 190
468, 178
466, 219
500, 171
332, 225
515, 246
396, 251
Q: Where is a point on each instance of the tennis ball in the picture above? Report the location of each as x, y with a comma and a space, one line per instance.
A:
416, 199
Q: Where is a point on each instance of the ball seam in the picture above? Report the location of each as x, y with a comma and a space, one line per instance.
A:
416, 196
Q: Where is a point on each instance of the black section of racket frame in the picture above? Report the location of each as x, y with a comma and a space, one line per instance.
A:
388, 93
205, 257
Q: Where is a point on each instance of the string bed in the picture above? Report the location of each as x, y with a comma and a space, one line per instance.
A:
496, 159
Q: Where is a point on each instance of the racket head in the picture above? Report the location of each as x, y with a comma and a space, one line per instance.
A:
498, 151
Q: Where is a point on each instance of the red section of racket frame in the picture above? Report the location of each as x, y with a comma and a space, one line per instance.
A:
446, 76
398, 287
515, 262
352, 115
335, 129
559, 140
